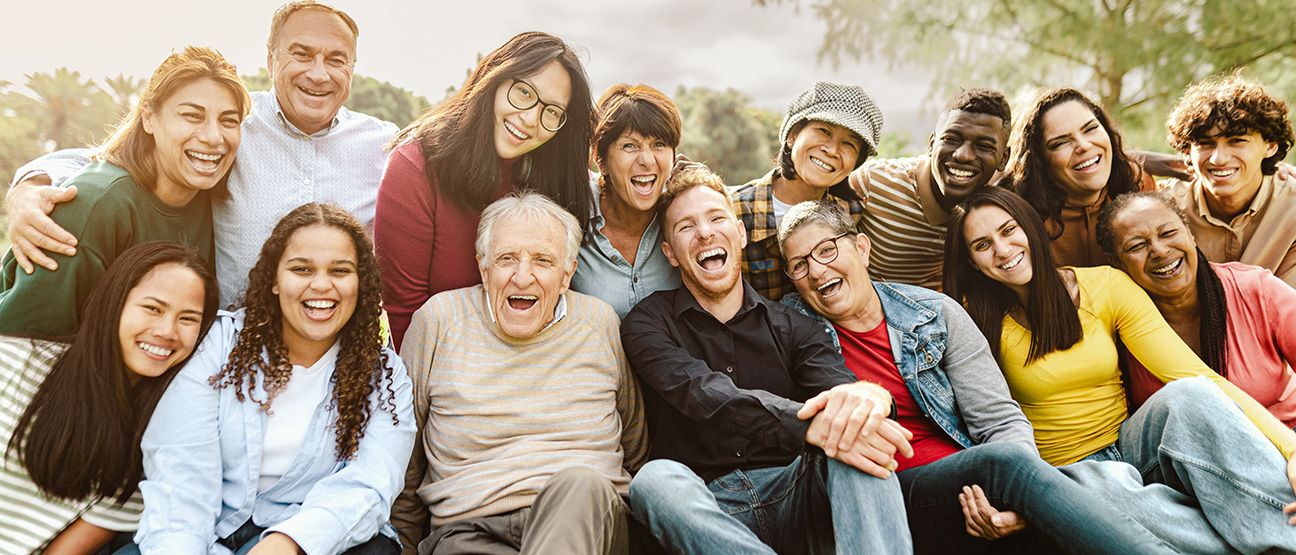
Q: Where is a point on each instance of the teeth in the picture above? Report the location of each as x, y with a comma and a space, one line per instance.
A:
1223, 172
525, 297
644, 179
1167, 268
831, 282
320, 305
154, 349
823, 165
707, 254
1087, 163
1014, 262
515, 131
312, 93
961, 174
201, 156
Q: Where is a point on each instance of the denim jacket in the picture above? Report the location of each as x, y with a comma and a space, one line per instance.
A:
946, 364
202, 461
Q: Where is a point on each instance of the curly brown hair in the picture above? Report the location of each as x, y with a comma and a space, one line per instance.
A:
361, 367
1237, 106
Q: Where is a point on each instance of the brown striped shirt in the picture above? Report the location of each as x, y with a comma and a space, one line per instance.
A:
902, 220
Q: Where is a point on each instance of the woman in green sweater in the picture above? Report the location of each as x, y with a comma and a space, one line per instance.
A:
1054, 332
152, 180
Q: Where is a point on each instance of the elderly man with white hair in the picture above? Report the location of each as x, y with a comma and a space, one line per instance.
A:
529, 419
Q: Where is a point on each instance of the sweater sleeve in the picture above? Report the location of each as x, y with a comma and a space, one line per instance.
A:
629, 402
982, 395
1150, 339
404, 227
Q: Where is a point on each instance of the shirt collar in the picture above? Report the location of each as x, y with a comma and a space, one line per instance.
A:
684, 300
1257, 203
288, 125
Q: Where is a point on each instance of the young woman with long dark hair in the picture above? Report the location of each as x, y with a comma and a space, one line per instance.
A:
72, 411
292, 427
522, 121
1068, 158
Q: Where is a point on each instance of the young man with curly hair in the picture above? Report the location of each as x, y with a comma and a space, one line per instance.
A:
1233, 134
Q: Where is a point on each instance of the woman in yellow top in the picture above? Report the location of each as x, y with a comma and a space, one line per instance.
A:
1054, 332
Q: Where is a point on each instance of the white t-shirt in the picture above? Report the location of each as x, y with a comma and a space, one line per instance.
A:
290, 416
780, 209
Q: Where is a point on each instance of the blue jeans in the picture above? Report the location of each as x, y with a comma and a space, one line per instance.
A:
1014, 478
248, 535
1199, 474
816, 505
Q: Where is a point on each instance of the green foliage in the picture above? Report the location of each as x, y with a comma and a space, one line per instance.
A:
1136, 56
385, 101
379, 99
897, 144
720, 130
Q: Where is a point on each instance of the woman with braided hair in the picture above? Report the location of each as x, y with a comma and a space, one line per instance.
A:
292, 426
1240, 319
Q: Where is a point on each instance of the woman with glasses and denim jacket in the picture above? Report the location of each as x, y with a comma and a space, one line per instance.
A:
522, 120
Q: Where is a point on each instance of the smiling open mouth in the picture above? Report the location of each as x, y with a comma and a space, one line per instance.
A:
1082, 166
1168, 268
515, 131
313, 93
1014, 262
522, 302
828, 290
822, 165
712, 260
154, 349
204, 161
959, 174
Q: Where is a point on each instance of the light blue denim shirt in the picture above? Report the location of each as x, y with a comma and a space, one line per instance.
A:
946, 364
602, 272
202, 459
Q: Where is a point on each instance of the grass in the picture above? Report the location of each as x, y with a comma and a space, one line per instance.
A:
4, 238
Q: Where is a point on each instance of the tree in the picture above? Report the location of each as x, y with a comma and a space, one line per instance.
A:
72, 112
721, 131
1136, 55
126, 91
20, 135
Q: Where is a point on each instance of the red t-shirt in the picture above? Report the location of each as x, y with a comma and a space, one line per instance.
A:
868, 355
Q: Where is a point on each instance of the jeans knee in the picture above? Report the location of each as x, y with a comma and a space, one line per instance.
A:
662, 479
1192, 392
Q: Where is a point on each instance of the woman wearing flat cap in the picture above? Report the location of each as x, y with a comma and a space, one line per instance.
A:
828, 131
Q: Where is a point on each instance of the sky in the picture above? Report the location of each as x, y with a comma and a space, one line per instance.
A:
768, 53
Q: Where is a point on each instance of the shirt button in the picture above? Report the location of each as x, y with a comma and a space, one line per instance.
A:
929, 359
738, 454
306, 181
729, 369
636, 279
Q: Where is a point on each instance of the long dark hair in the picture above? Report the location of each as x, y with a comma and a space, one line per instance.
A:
458, 141
1051, 315
1028, 168
79, 437
1212, 304
361, 367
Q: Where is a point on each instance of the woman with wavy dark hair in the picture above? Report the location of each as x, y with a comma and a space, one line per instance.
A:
1054, 331
151, 180
293, 426
1241, 319
522, 121
1067, 160
73, 409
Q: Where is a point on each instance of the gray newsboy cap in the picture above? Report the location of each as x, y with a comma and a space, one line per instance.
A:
845, 105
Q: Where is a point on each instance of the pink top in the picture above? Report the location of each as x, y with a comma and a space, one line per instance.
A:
1261, 329
425, 241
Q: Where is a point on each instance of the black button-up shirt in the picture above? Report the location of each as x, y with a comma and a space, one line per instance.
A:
724, 396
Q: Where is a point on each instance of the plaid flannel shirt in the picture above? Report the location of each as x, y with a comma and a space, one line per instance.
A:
762, 263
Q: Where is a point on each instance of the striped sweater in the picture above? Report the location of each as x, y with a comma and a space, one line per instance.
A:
498, 416
29, 520
902, 220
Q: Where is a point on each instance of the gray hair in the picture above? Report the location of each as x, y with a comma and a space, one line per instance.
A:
825, 212
535, 208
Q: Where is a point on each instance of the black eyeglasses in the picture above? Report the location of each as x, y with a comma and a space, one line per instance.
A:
824, 252
523, 96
